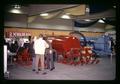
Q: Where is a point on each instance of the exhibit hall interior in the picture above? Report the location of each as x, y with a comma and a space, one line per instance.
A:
59, 42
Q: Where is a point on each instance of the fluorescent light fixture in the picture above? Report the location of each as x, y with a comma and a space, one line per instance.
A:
15, 11
17, 6
114, 6
101, 21
67, 13
65, 16
87, 20
44, 14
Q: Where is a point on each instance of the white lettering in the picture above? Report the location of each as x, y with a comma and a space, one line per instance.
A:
14, 34
23, 34
10, 34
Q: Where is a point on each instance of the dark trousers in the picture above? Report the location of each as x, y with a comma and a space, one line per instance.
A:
55, 56
49, 60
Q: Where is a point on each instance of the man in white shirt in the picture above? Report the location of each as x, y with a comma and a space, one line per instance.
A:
21, 45
39, 46
21, 42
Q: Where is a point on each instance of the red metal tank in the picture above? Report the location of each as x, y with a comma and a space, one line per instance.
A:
68, 47
65, 44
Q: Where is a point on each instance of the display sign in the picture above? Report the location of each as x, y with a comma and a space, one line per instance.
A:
14, 34
5, 58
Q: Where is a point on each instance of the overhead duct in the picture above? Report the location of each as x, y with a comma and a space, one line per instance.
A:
79, 10
73, 11
31, 19
52, 15
87, 24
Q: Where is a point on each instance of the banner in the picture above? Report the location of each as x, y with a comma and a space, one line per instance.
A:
17, 34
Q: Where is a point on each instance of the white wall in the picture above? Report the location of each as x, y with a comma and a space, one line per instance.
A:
15, 20
90, 29
15, 24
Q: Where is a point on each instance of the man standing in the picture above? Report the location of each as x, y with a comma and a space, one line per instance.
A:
39, 46
32, 52
49, 57
21, 45
107, 42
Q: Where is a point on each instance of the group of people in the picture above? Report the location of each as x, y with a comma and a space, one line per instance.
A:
41, 49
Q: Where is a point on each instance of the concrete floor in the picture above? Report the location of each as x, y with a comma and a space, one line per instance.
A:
105, 70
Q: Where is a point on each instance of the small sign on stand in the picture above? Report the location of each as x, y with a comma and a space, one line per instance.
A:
6, 73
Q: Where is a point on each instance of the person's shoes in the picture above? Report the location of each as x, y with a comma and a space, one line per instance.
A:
33, 70
37, 72
47, 68
52, 68
44, 73
39, 69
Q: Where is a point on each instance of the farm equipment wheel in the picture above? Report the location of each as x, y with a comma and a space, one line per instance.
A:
95, 58
76, 60
75, 33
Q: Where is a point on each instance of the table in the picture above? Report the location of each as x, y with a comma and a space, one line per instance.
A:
10, 54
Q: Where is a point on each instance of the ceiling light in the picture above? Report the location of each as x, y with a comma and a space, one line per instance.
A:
44, 14
101, 21
67, 13
15, 11
17, 6
65, 16
87, 20
114, 6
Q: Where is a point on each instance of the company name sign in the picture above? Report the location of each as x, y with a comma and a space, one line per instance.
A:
14, 34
